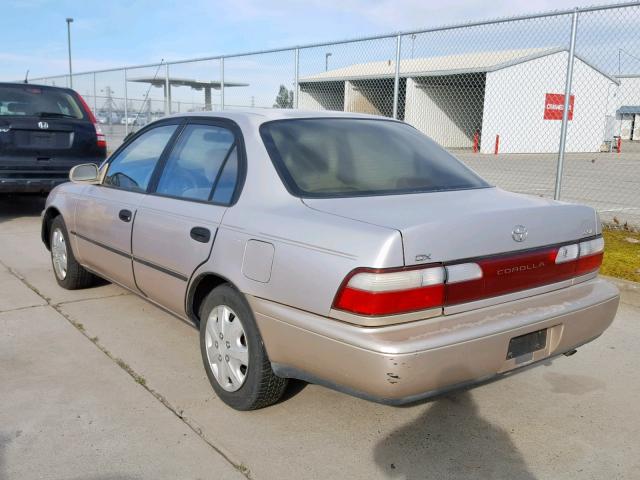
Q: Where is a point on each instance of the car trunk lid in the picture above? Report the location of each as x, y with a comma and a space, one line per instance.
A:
456, 225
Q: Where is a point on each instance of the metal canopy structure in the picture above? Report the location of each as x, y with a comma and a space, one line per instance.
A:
207, 85
629, 110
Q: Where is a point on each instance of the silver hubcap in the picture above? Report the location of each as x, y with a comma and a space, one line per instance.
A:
227, 350
59, 254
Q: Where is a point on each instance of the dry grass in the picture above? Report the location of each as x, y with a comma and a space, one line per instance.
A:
622, 254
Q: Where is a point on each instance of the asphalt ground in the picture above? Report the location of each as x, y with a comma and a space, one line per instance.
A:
99, 384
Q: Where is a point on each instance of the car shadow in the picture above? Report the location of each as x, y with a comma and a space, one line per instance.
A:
15, 206
294, 387
450, 440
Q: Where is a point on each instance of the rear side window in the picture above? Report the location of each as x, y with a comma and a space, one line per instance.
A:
343, 157
202, 159
33, 101
133, 166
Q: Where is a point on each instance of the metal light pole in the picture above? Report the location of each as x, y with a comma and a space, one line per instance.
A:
69, 21
326, 60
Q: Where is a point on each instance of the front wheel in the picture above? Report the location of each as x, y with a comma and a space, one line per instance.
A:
233, 352
68, 272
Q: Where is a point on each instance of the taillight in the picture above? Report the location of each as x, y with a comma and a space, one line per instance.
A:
388, 292
591, 254
393, 291
101, 140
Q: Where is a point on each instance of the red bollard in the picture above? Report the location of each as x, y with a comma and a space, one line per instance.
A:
476, 139
619, 146
495, 151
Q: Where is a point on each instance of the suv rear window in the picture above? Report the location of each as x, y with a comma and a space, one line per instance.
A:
344, 157
30, 100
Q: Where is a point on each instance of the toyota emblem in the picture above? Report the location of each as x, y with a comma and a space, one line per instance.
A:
519, 233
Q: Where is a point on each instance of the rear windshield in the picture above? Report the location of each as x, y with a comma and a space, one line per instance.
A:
33, 101
344, 157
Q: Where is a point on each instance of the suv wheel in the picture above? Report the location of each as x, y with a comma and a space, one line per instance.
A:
68, 272
233, 352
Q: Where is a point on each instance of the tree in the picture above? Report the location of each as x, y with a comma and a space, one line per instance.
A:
284, 98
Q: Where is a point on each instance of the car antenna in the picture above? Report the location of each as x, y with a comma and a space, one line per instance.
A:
146, 95
26, 77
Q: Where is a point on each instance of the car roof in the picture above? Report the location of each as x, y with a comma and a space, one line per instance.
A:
262, 115
35, 85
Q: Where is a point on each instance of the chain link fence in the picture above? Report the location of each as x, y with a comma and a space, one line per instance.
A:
545, 104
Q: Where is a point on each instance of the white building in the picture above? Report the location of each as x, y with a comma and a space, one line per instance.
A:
513, 97
624, 107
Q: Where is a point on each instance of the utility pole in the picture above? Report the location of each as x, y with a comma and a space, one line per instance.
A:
69, 21
326, 60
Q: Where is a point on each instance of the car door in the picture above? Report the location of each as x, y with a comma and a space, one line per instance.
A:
106, 212
176, 223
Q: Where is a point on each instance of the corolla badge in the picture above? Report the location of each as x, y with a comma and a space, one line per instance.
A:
519, 233
43, 125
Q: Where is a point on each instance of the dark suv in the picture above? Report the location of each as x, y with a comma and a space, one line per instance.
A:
44, 131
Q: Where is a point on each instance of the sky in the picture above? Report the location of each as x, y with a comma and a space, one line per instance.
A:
115, 33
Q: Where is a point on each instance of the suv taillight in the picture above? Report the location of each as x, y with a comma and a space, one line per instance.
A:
394, 291
101, 140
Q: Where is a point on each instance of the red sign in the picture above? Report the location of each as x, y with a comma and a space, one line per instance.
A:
554, 106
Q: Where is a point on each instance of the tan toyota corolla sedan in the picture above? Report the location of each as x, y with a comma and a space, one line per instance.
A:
342, 249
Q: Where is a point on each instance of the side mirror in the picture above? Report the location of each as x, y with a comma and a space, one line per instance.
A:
85, 173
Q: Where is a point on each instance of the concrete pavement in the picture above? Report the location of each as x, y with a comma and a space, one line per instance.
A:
107, 357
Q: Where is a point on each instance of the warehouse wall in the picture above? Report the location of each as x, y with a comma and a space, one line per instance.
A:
515, 104
448, 109
373, 96
321, 96
626, 94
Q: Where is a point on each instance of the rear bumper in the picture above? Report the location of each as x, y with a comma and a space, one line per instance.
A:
31, 185
25, 176
407, 362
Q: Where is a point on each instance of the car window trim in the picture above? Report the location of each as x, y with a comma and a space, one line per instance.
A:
220, 170
238, 143
161, 123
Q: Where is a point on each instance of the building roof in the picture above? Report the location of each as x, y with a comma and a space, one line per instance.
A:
186, 82
629, 110
472, 62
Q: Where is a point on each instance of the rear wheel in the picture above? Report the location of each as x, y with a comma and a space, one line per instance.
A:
68, 272
233, 352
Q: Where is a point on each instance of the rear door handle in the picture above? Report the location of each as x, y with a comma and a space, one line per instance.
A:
125, 215
201, 234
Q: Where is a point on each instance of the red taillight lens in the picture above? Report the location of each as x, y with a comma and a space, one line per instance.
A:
101, 140
388, 292
591, 255
514, 272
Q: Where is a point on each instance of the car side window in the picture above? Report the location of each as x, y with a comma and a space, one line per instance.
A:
194, 164
132, 168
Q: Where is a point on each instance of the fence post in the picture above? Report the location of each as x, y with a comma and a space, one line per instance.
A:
222, 83
126, 106
167, 106
567, 98
95, 98
296, 93
396, 80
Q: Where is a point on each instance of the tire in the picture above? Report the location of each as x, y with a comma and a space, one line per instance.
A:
233, 353
73, 276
